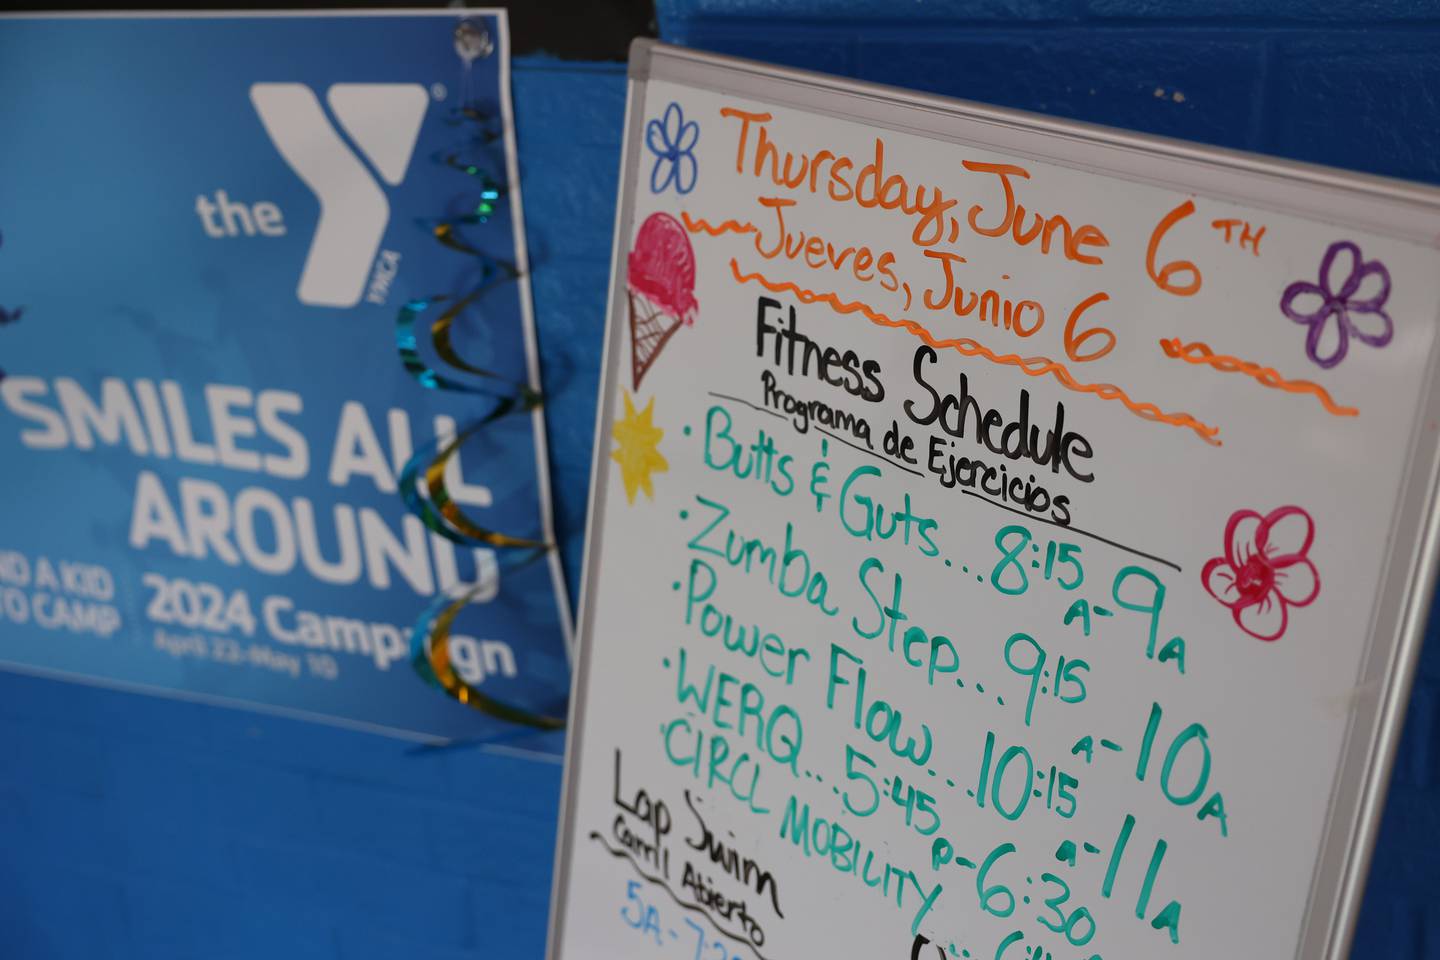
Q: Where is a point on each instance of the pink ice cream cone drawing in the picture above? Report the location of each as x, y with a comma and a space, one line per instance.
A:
661, 282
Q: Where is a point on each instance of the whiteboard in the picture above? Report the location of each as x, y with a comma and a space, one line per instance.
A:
1031, 579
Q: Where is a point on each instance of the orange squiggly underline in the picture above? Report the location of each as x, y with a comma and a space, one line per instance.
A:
971, 348
699, 224
1200, 353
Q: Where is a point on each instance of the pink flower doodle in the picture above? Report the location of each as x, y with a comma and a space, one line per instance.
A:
1265, 570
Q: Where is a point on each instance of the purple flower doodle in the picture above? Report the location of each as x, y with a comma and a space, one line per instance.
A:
1349, 301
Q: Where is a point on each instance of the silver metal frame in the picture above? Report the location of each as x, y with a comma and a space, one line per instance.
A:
1390, 207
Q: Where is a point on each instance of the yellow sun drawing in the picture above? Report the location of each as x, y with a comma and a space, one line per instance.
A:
638, 452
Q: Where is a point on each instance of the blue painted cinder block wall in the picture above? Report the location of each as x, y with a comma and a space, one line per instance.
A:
1351, 83
141, 828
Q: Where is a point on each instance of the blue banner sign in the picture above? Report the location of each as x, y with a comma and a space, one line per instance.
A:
270, 418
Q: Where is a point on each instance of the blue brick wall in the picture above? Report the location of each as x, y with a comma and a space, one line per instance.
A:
133, 827
138, 828
1352, 84
570, 121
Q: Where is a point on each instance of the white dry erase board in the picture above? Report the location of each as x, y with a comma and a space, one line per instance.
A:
1010, 538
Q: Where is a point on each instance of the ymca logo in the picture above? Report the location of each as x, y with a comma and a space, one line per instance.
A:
383, 121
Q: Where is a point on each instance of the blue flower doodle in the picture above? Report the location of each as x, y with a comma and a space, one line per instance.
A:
672, 140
